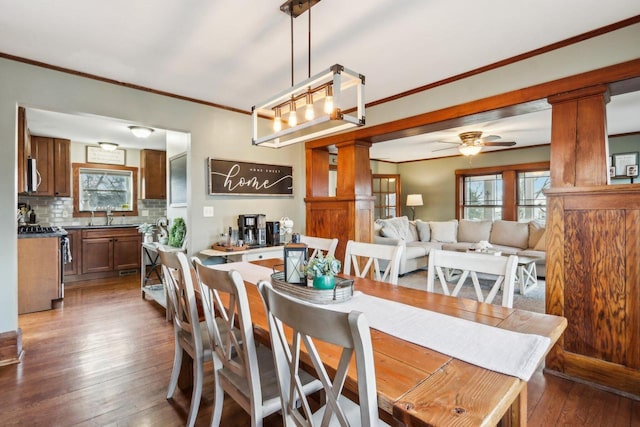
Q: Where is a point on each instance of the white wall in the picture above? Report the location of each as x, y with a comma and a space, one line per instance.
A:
225, 134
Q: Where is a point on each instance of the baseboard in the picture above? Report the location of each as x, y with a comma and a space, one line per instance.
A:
10, 347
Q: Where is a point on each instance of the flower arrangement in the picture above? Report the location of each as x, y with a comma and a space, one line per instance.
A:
482, 246
322, 265
146, 228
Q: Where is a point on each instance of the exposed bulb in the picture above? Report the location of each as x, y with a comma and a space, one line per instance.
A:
308, 112
328, 104
293, 120
277, 121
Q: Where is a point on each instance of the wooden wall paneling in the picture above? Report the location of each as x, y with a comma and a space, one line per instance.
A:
592, 168
317, 171
633, 287
510, 196
555, 285
354, 169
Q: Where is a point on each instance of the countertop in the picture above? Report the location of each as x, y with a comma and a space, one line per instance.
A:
82, 227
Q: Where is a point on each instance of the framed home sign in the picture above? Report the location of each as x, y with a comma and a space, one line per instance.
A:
230, 177
95, 154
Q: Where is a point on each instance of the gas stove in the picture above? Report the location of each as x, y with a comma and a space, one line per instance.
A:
36, 229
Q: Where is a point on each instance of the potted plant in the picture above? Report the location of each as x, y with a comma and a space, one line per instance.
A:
322, 269
147, 230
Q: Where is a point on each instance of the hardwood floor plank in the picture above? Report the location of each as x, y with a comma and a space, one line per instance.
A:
104, 358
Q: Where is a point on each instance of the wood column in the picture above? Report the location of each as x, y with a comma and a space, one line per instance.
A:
593, 249
348, 215
579, 146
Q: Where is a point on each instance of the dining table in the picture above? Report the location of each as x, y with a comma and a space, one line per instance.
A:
417, 385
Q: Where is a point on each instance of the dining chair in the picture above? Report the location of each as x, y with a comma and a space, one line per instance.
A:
315, 325
385, 260
469, 264
190, 334
243, 368
320, 244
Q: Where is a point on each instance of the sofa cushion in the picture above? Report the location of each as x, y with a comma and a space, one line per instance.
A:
424, 230
424, 246
510, 233
536, 230
474, 231
541, 245
397, 228
444, 231
460, 246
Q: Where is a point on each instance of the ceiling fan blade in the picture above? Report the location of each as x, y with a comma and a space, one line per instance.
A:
442, 149
499, 144
491, 138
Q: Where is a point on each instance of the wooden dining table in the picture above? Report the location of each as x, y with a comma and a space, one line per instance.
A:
418, 386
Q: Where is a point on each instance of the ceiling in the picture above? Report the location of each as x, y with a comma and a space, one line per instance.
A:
236, 53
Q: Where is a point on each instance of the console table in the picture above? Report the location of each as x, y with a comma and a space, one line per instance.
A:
253, 254
150, 266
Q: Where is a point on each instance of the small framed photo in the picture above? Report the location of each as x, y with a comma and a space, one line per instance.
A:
622, 160
612, 172
632, 170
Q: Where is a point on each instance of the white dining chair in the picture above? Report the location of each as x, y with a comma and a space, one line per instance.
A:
469, 264
384, 259
243, 368
190, 335
312, 324
328, 246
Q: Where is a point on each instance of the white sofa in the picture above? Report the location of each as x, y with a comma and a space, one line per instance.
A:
419, 237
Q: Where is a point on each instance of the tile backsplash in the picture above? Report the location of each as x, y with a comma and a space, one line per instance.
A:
59, 211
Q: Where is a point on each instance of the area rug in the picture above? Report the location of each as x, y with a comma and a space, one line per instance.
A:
533, 300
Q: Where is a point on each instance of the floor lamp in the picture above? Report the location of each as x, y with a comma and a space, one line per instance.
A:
414, 200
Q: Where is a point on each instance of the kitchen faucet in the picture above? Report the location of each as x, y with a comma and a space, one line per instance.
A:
109, 215
91, 220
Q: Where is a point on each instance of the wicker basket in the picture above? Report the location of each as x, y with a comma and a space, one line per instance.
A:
341, 292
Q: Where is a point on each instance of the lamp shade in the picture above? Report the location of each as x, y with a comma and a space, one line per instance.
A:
470, 150
108, 146
414, 200
140, 131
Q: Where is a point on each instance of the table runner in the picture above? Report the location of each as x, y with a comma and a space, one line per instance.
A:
500, 350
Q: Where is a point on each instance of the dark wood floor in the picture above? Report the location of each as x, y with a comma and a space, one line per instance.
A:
104, 358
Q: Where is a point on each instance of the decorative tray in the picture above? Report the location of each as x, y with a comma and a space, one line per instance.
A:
343, 290
228, 248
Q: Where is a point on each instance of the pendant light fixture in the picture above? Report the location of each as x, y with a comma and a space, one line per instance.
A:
333, 100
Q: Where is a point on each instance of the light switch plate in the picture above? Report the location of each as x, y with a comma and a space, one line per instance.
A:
207, 211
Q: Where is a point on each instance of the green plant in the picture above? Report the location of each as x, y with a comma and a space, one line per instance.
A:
177, 233
322, 266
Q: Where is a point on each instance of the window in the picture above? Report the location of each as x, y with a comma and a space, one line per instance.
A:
483, 197
509, 192
386, 191
99, 188
532, 203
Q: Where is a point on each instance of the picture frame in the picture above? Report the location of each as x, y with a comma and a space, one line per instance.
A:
178, 180
95, 154
622, 160
612, 171
632, 170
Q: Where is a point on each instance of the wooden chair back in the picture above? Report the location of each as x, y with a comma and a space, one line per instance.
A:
232, 332
328, 246
368, 256
442, 263
313, 324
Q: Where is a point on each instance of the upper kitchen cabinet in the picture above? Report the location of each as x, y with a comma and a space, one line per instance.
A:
52, 162
153, 171
24, 149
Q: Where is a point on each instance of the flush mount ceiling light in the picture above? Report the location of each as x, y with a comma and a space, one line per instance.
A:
140, 131
314, 107
470, 149
108, 146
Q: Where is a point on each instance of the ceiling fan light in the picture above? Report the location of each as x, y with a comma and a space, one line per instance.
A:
108, 146
470, 150
141, 131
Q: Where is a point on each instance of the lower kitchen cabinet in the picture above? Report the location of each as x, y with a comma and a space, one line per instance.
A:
38, 273
108, 250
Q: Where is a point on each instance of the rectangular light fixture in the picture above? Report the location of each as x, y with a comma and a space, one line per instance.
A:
311, 109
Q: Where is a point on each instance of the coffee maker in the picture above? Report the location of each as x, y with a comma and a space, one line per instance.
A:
273, 233
253, 229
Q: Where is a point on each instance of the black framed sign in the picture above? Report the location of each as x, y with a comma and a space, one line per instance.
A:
178, 180
230, 177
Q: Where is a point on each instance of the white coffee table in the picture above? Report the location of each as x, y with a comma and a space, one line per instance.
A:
527, 276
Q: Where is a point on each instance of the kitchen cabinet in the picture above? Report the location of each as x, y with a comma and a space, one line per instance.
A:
24, 149
153, 172
38, 273
53, 164
110, 249
73, 267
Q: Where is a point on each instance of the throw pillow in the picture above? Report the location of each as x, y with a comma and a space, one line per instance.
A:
542, 242
424, 231
397, 228
474, 231
510, 233
536, 230
413, 230
444, 231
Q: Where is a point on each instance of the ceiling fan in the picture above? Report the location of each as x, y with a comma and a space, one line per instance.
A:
471, 142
